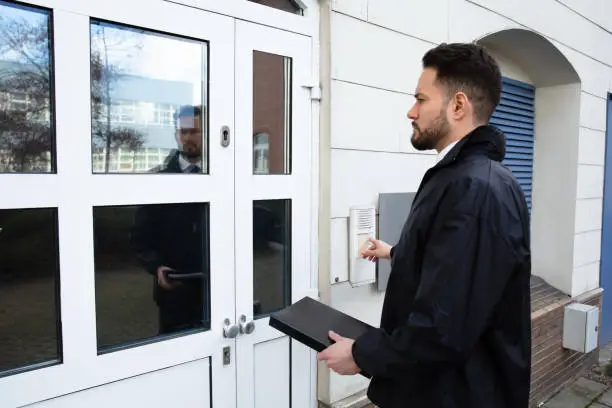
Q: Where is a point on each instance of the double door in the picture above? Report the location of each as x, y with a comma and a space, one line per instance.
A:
162, 213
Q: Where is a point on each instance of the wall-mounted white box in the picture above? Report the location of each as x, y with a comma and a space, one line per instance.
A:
580, 327
362, 227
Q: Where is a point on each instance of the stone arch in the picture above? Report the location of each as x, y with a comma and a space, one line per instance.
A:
530, 57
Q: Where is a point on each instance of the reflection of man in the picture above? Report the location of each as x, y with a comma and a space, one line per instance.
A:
169, 238
456, 322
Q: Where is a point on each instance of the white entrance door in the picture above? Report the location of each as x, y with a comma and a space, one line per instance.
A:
95, 202
273, 212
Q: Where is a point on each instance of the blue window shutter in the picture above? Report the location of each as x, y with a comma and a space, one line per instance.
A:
515, 117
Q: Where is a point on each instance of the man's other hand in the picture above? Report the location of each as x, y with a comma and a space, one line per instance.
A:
339, 356
376, 249
163, 280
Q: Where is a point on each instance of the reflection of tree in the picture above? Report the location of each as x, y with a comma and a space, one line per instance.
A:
25, 94
103, 77
25, 126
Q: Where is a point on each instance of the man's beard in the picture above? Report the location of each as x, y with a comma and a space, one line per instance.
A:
191, 152
431, 136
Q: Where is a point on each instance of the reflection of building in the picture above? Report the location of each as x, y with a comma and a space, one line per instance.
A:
25, 119
146, 106
126, 160
39, 164
271, 113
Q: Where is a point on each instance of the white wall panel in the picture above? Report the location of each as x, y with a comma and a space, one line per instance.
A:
598, 11
369, 55
585, 278
427, 20
592, 112
469, 22
591, 147
365, 303
590, 181
366, 118
357, 177
587, 248
588, 214
355, 8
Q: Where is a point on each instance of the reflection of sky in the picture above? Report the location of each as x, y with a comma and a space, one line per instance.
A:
27, 15
155, 56
15, 11
156, 68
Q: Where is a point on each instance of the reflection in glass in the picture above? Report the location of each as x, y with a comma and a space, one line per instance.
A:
26, 135
148, 101
151, 266
271, 114
29, 285
290, 6
271, 256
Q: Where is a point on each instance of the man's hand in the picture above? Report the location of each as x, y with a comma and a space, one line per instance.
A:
376, 250
339, 356
162, 280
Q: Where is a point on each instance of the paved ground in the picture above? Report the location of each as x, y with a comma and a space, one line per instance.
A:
586, 392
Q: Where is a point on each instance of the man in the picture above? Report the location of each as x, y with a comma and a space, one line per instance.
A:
455, 329
169, 238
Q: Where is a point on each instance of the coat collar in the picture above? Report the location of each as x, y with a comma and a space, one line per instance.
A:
484, 140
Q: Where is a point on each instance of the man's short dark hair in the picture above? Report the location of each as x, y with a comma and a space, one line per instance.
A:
468, 68
187, 111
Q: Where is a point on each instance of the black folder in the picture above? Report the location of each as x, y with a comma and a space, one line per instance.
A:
309, 322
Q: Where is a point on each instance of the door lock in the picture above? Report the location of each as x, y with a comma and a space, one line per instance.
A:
225, 136
227, 356
230, 331
246, 327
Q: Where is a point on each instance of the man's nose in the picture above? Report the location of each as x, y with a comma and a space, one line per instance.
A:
412, 113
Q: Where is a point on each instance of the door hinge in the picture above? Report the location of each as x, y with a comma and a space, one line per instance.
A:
315, 91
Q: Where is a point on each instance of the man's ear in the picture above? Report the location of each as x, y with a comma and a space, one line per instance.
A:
460, 106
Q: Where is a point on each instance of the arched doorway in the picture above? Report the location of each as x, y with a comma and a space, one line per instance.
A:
550, 114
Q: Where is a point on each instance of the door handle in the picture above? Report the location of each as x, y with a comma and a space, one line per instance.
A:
246, 327
230, 331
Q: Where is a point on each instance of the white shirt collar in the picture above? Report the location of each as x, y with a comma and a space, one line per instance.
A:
445, 151
185, 164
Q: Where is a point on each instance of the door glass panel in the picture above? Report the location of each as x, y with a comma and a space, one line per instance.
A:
148, 101
152, 278
285, 5
26, 115
271, 114
271, 256
29, 286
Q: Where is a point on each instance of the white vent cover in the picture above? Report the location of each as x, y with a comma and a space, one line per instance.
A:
362, 226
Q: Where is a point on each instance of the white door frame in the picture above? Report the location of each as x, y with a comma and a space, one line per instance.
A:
74, 190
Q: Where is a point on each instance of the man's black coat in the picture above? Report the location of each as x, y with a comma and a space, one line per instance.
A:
456, 327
